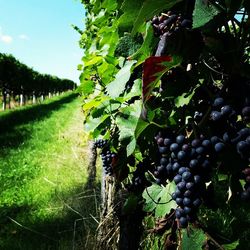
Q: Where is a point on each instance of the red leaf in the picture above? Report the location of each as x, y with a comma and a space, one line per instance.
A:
151, 70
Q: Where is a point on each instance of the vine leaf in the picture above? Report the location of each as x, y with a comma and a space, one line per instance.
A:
231, 246
193, 239
130, 204
87, 87
161, 195
153, 69
116, 87
203, 13
147, 46
129, 123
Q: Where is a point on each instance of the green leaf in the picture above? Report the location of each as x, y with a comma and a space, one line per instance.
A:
127, 123
165, 197
130, 11
192, 239
184, 99
158, 194
87, 87
147, 46
150, 195
116, 87
93, 123
231, 246
148, 9
203, 13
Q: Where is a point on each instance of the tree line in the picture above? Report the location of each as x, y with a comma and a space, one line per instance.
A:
20, 83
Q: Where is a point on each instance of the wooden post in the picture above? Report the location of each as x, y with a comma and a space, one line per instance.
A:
4, 98
21, 99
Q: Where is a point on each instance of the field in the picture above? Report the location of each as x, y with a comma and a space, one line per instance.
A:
44, 203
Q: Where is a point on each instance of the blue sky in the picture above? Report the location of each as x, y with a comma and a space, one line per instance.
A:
39, 34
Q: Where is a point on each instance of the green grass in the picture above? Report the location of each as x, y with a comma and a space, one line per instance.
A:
43, 160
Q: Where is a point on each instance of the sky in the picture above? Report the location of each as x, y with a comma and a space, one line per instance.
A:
39, 34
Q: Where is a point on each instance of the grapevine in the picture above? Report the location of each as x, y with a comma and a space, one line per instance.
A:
175, 109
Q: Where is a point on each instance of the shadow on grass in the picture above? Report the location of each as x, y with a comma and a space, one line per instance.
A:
11, 135
73, 227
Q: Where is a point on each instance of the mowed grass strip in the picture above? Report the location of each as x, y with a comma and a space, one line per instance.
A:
43, 169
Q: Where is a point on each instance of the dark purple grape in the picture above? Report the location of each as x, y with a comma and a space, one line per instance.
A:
174, 147
186, 201
242, 147
160, 141
218, 102
179, 212
179, 201
167, 141
163, 150
206, 143
186, 23
190, 186
182, 170
177, 179
187, 210
185, 148
193, 163
219, 147
186, 176
206, 164
176, 166
181, 185
187, 193
245, 195
244, 132
197, 202
195, 143
180, 139
246, 111
215, 139
164, 161
200, 150
181, 155
183, 222
226, 110
216, 116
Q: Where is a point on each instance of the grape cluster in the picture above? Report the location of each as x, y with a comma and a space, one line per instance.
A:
106, 155
246, 193
107, 158
100, 143
169, 22
189, 164
139, 181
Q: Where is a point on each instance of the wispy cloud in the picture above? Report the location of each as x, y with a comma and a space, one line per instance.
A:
5, 38
23, 37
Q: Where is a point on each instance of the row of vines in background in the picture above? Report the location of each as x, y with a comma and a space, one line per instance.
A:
18, 81
166, 90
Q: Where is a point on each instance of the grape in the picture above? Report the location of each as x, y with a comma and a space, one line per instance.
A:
216, 115
187, 210
186, 176
167, 141
218, 102
226, 110
187, 193
174, 147
190, 185
163, 150
176, 166
242, 147
181, 155
197, 179
219, 147
180, 139
214, 139
179, 212
182, 170
183, 222
185, 147
200, 150
193, 163
186, 201
181, 185
195, 143
197, 202
164, 161
246, 111
160, 141
179, 201
177, 179
206, 143
186, 23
